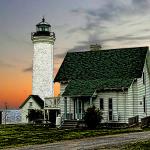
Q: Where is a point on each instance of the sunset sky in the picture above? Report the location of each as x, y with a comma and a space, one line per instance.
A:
76, 23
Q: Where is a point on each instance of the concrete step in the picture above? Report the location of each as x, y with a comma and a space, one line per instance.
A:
68, 124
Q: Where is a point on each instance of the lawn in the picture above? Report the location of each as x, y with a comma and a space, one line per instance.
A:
141, 145
20, 135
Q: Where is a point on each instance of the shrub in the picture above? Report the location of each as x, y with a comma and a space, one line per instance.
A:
35, 116
92, 117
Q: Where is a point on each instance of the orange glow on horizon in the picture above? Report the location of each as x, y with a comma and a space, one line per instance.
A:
16, 86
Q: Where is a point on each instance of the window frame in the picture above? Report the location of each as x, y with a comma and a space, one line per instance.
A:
30, 104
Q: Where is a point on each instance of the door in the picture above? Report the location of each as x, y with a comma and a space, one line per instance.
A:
78, 109
52, 116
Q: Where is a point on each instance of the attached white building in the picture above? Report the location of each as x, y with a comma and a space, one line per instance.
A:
32, 102
117, 81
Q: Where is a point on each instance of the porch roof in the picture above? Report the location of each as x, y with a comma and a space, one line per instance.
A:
76, 88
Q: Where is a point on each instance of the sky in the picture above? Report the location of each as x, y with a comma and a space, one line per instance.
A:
76, 23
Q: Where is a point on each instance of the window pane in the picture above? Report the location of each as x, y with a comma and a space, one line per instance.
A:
110, 103
110, 115
101, 103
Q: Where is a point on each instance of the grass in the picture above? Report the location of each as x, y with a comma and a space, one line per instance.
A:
21, 135
140, 145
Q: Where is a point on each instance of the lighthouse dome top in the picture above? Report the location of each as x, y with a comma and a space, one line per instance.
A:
43, 23
43, 26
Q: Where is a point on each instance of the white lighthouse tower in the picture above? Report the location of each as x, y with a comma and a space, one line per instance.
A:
42, 76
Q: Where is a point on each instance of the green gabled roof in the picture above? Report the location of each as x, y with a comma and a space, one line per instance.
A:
36, 98
103, 64
88, 87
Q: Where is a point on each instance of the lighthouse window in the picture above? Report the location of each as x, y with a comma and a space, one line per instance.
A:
46, 29
40, 29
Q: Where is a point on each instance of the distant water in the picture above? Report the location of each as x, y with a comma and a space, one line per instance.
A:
11, 116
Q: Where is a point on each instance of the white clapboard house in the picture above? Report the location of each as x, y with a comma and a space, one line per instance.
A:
33, 102
117, 81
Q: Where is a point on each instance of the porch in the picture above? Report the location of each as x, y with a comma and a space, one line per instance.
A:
75, 107
51, 109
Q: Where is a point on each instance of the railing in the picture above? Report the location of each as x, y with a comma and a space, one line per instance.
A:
52, 102
42, 33
62, 119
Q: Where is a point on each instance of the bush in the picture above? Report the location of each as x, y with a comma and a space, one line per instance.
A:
92, 117
35, 116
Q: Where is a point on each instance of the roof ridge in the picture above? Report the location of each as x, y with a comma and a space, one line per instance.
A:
124, 48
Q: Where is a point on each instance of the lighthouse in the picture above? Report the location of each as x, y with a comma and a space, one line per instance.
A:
42, 76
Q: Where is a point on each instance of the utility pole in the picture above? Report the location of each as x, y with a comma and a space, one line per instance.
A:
5, 115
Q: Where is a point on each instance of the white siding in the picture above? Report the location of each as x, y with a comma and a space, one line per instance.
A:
147, 90
141, 94
135, 98
118, 105
26, 107
143, 90
126, 104
62, 89
129, 103
136, 93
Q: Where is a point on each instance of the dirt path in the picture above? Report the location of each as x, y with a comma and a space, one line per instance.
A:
91, 143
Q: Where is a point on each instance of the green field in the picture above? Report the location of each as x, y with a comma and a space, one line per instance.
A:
20, 135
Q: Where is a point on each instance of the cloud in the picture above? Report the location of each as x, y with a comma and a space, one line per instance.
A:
29, 69
114, 22
115, 9
4, 64
111, 12
141, 4
60, 56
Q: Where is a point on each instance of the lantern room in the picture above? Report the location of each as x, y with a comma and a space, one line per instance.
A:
43, 26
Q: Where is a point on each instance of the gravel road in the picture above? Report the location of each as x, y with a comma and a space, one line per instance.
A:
91, 143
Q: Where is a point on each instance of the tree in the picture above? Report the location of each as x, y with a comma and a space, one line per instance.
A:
35, 116
92, 117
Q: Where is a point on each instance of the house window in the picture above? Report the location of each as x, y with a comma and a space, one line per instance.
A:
30, 104
101, 104
144, 104
110, 108
143, 78
110, 104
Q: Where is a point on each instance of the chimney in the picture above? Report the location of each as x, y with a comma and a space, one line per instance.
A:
95, 47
